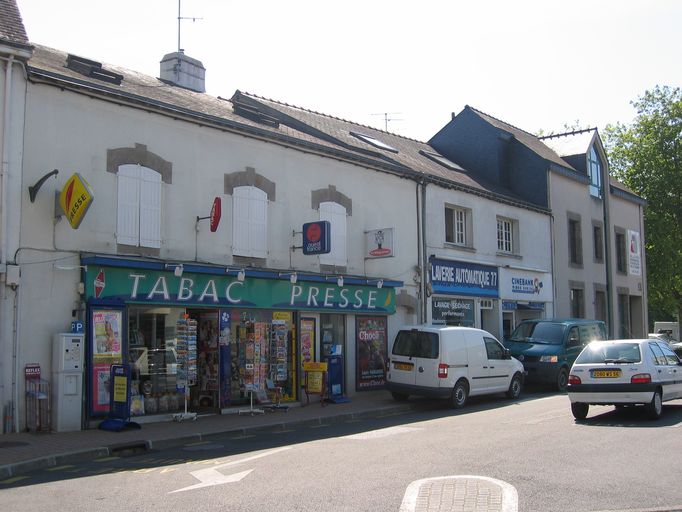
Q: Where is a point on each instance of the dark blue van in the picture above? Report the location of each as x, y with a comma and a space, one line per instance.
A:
548, 347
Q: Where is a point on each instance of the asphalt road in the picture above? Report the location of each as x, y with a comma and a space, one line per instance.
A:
613, 461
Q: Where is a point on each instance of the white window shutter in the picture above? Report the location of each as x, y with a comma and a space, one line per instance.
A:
259, 223
128, 205
336, 215
150, 208
240, 221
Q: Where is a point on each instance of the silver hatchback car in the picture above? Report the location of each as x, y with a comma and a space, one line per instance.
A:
625, 372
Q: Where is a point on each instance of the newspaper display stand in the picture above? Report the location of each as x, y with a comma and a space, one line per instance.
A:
186, 346
315, 381
38, 414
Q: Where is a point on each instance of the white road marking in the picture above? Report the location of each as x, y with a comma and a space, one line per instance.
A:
384, 432
509, 498
211, 476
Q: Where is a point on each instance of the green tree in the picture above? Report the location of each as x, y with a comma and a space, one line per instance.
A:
647, 157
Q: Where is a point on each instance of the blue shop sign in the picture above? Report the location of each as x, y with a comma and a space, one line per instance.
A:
317, 237
461, 278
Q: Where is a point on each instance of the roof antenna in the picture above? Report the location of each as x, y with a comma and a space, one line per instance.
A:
387, 119
180, 18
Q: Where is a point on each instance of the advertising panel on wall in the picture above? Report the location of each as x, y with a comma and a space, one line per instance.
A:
634, 257
453, 311
139, 285
463, 278
106, 348
371, 352
525, 286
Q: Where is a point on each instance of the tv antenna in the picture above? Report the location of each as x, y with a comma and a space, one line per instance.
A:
180, 18
387, 118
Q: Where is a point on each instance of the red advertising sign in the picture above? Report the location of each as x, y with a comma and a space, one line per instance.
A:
32, 371
371, 352
215, 214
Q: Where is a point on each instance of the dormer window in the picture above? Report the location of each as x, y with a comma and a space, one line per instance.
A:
373, 142
440, 160
594, 167
92, 69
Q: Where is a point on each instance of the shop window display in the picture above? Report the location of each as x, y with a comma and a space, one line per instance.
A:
170, 349
154, 360
261, 349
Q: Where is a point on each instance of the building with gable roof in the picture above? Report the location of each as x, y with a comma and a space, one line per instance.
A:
189, 263
599, 265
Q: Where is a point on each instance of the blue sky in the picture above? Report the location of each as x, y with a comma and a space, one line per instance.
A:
536, 64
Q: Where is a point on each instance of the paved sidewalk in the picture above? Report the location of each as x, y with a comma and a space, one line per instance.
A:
24, 452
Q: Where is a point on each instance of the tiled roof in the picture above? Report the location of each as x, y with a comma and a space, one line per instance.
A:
11, 26
289, 125
410, 152
527, 139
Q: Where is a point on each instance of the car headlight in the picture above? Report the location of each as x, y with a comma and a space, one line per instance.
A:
549, 359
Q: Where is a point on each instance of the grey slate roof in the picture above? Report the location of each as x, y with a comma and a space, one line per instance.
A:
11, 25
295, 127
527, 139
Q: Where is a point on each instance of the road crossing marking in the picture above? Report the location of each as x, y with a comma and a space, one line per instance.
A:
383, 432
211, 476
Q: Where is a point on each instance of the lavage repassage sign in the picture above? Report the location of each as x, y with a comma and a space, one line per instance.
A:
461, 278
154, 287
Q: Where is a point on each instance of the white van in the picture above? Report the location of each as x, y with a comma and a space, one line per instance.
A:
451, 362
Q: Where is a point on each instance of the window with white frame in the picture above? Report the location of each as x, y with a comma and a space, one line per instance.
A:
336, 215
456, 225
249, 222
138, 218
505, 235
594, 168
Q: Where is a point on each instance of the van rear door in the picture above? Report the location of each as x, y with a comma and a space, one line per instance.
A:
414, 355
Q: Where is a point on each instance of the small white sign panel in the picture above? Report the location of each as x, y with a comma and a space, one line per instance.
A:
379, 243
634, 254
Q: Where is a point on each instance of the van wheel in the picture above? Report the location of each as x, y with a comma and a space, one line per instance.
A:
399, 397
579, 410
654, 409
515, 387
562, 379
460, 393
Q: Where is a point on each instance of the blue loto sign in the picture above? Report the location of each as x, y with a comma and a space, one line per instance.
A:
317, 237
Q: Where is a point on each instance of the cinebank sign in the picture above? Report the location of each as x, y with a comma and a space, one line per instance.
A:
155, 287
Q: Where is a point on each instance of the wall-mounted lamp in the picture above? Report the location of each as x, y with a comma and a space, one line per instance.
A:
70, 267
293, 276
241, 275
178, 268
380, 283
339, 281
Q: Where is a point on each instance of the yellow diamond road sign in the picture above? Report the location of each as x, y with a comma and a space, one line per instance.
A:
75, 199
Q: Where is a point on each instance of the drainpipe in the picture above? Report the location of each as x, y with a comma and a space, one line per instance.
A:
425, 261
420, 294
4, 175
607, 257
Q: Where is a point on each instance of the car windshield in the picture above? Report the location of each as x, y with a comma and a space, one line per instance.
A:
551, 333
614, 353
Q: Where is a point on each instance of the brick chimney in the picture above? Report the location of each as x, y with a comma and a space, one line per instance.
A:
183, 71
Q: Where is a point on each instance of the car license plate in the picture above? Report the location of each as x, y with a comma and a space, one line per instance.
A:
606, 374
403, 366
